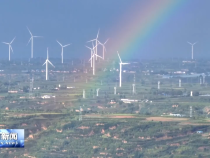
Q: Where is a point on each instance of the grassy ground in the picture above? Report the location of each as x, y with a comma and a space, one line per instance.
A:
55, 122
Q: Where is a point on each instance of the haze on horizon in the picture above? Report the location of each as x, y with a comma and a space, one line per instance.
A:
76, 22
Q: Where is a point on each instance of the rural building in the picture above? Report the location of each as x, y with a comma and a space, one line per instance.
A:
45, 97
12, 91
178, 115
128, 100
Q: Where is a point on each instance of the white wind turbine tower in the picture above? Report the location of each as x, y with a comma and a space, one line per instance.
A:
191, 93
121, 63
10, 47
180, 83
192, 44
203, 78
158, 84
46, 62
97, 90
62, 50
114, 90
93, 58
83, 94
104, 48
133, 88
32, 41
96, 40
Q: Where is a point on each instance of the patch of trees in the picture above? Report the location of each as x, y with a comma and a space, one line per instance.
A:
169, 92
158, 135
71, 125
25, 89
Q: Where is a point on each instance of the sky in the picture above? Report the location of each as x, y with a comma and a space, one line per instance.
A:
76, 22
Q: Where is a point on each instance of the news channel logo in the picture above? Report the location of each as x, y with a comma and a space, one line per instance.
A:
11, 138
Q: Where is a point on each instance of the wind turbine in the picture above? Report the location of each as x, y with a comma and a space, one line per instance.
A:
180, 83
97, 90
121, 63
62, 50
32, 41
158, 84
93, 58
46, 62
83, 94
133, 88
10, 47
192, 44
96, 40
103, 45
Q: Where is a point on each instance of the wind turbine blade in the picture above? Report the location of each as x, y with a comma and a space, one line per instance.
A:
91, 57
11, 48
51, 63
67, 45
5, 43
106, 41
12, 40
59, 43
29, 31
29, 40
93, 51
92, 45
44, 63
98, 33
37, 36
98, 56
91, 40
47, 53
100, 43
119, 57
125, 63
189, 43
88, 47
94, 48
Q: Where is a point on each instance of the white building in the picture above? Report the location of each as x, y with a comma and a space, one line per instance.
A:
177, 115
128, 100
45, 97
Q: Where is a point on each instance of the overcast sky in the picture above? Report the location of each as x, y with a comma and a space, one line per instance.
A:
76, 21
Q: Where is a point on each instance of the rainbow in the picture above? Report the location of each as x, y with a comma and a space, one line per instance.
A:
137, 25
140, 23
